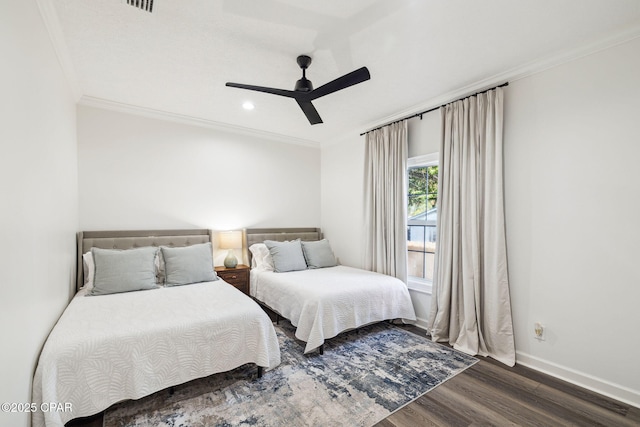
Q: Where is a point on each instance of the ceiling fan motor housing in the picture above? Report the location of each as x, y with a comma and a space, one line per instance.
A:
304, 61
304, 84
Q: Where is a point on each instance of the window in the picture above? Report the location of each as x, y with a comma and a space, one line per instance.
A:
422, 213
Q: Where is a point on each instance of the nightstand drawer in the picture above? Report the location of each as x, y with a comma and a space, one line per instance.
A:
234, 277
238, 277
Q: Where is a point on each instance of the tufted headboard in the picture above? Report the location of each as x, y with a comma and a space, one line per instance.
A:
134, 239
259, 235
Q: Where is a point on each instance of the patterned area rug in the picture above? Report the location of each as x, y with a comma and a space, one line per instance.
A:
363, 377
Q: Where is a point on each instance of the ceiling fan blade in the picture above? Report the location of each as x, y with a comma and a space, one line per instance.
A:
271, 90
358, 76
310, 111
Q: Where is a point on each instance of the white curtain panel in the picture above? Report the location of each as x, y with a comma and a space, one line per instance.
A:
471, 305
386, 200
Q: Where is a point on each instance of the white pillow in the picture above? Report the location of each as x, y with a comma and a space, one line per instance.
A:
261, 257
89, 270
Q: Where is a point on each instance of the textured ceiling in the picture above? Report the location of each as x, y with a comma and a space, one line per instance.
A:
177, 59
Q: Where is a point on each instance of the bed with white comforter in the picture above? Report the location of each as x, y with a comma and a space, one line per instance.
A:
110, 348
323, 302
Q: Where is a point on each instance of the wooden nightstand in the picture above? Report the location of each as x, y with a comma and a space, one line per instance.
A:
238, 277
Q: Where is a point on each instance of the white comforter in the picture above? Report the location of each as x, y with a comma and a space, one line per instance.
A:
109, 348
323, 302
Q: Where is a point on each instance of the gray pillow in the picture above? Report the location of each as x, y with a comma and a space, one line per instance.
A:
287, 256
123, 271
190, 264
319, 254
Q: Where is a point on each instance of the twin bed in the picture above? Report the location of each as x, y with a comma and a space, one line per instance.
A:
323, 299
126, 345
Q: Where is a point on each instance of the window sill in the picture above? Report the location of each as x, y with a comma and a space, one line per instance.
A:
419, 285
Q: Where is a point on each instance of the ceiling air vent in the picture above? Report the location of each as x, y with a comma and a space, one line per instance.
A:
146, 5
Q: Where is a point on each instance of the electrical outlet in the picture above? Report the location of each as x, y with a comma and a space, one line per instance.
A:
538, 331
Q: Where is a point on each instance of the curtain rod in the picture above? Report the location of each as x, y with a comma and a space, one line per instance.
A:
434, 108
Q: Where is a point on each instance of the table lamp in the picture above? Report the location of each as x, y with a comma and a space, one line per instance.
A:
231, 240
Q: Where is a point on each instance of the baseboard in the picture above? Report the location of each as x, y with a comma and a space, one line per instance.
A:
421, 323
589, 382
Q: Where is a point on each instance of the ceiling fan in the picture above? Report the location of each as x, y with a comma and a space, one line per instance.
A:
304, 92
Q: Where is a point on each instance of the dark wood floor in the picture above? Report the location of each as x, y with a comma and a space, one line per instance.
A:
492, 394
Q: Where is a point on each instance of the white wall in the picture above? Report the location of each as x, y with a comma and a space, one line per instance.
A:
572, 195
141, 173
38, 184
424, 135
343, 198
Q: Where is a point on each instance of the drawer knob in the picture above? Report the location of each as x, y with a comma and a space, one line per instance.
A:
234, 277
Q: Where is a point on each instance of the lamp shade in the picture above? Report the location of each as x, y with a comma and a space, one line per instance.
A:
230, 240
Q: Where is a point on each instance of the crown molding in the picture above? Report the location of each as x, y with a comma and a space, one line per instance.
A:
512, 75
52, 23
105, 104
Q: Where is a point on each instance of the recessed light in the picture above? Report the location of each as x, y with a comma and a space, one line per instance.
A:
248, 105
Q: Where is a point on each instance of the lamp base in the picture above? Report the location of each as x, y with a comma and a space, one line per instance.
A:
230, 261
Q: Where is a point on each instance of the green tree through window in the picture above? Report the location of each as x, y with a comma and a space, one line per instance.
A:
422, 198
423, 189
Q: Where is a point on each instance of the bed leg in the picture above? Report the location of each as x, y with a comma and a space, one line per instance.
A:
171, 391
277, 319
260, 371
321, 349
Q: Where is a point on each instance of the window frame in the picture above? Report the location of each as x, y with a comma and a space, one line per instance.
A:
419, 284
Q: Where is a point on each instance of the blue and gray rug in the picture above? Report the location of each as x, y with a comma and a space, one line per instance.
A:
363, 377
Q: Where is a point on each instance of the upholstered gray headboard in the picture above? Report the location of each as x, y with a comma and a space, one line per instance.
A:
259, 235
128, 239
